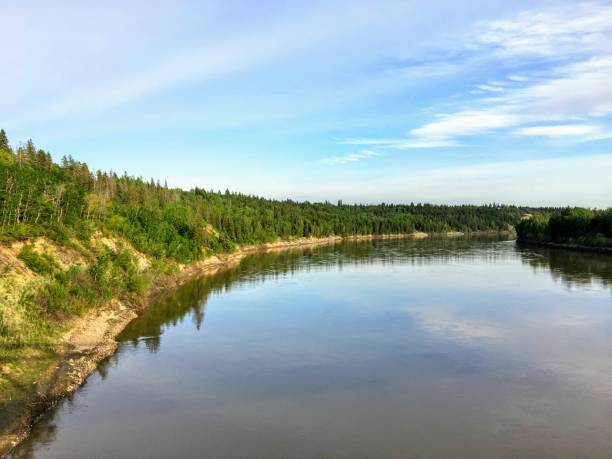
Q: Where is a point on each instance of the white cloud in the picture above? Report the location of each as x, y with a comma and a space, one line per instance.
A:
527, 103
574, 29
579, 88
467, 122
349, 158
490, 88
575, 91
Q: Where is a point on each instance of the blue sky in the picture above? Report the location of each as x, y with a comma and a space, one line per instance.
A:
365, 101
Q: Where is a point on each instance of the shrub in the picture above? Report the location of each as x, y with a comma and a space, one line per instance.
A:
163, 267
137, 283
84, 230
54, 298
41, 263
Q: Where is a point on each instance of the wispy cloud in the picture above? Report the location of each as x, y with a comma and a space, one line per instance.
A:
468, 122
200, 63
518, 78
424, 143
349, 158
588, 131
490, 88
576, 86
268, 40
577, 28
574, 91
400, 144
368, 141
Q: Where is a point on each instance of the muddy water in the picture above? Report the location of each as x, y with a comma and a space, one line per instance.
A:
437, 348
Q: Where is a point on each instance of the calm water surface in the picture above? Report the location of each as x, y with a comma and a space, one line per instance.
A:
450, 348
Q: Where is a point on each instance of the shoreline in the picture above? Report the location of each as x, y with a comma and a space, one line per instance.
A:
573, 247
91, 337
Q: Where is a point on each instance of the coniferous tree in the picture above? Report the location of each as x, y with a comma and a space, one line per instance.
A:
4, 143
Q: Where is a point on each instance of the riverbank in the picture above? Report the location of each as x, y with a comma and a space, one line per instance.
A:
91, 337
575, 247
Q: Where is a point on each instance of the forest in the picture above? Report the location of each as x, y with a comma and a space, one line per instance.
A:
575, 225
41, 198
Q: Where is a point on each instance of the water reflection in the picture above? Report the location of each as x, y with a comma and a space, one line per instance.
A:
258, 268
572, 268
569, 267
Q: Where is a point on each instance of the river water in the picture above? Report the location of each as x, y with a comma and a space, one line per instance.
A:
440, 348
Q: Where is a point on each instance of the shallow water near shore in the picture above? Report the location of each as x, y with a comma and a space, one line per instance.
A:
445, 348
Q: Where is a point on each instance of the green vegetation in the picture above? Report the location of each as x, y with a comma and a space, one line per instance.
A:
570, 226
39, 263
39, 197
112, 274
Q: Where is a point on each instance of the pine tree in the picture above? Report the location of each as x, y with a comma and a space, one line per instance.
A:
4, 143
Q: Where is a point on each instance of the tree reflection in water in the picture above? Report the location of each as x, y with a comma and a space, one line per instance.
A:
572, 268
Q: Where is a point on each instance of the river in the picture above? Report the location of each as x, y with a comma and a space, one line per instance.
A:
438, 348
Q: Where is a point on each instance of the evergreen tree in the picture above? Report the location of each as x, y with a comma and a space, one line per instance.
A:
4, 143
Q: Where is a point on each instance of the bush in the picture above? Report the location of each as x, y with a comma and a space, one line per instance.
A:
84, 230
54, 298
137, 283
41, 263
163, 267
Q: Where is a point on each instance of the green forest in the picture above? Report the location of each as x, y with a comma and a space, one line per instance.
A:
41, 198
569, 226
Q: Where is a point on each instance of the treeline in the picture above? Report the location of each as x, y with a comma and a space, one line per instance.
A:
66, 200
570, 226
